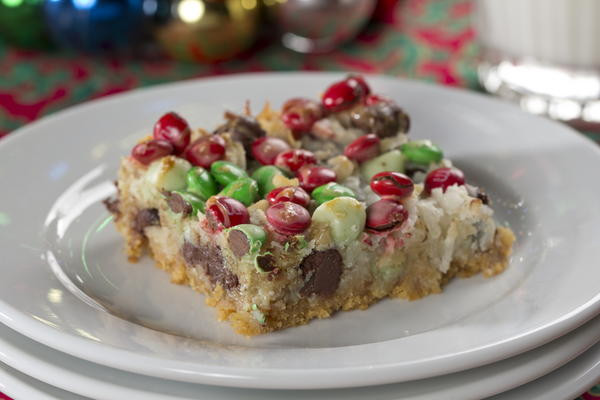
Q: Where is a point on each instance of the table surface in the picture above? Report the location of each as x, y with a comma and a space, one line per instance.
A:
424, 39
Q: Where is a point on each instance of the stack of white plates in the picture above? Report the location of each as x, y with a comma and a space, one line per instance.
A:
79, 321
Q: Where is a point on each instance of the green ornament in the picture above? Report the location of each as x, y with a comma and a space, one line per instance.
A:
201, 183
330, 191
226, 172
422, 152
244, 190
264, 177
22, 23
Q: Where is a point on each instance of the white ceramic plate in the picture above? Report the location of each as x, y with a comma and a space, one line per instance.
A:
92, 380
65, 282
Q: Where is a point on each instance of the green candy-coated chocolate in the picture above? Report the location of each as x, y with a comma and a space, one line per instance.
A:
391, 161
330, 191
226, 172
244, 190
264, 177
255, 234
422, 152
193, 200
201, 183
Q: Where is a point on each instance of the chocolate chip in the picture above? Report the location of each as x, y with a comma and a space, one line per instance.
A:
243, 128
477, 192
266, 262
238, 242
178, 205
324, 270
112, 205
210, 259
144, 218
383, 119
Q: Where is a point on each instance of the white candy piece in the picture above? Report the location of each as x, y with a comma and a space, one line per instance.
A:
168, 173
344, 216
390, 161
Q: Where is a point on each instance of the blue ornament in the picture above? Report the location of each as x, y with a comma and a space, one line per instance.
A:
96, 25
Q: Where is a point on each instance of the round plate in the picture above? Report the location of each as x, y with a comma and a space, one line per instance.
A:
66, 283
88, 379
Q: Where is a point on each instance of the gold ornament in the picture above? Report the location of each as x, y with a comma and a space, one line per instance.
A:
209, 30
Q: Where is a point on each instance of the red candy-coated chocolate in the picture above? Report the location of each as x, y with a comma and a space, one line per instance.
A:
360, 81
385, 215
288, 218
444, 178
266, 148
174, 129
342, 95
295, 194
225, 212
373, 99
363, 148
392, 184
147, 152
312, 176
300, 114
295, 159
205, 151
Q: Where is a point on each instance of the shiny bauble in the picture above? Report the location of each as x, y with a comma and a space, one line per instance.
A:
207, 30
319, 26
96, 25
22, 23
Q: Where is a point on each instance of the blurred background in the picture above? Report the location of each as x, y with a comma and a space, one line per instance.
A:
542, 54
56, 53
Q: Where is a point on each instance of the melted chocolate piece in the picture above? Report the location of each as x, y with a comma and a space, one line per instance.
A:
210, 259
144, 218
477, 192
238, 242
266, 262
383, 119
243, 128
112, 205
324, 270
178, 205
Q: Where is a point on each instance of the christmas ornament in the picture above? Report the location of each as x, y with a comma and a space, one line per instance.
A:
318, 26
22, 23
207, 30
96, 25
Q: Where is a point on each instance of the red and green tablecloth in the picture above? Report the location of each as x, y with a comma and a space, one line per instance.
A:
424, 39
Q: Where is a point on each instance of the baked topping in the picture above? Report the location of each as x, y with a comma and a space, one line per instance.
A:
201, 183
364, 148
300, 114
174, 129
206, 150
295, 194
266, 149
242, 128
313, 176
147, 152
293, 160
225, 212
443, 178
288, 218
385, 215
392, 184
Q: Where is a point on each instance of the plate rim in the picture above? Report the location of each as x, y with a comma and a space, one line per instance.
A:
227, 376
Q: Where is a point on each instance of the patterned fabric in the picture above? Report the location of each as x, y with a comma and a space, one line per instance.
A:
424, 39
